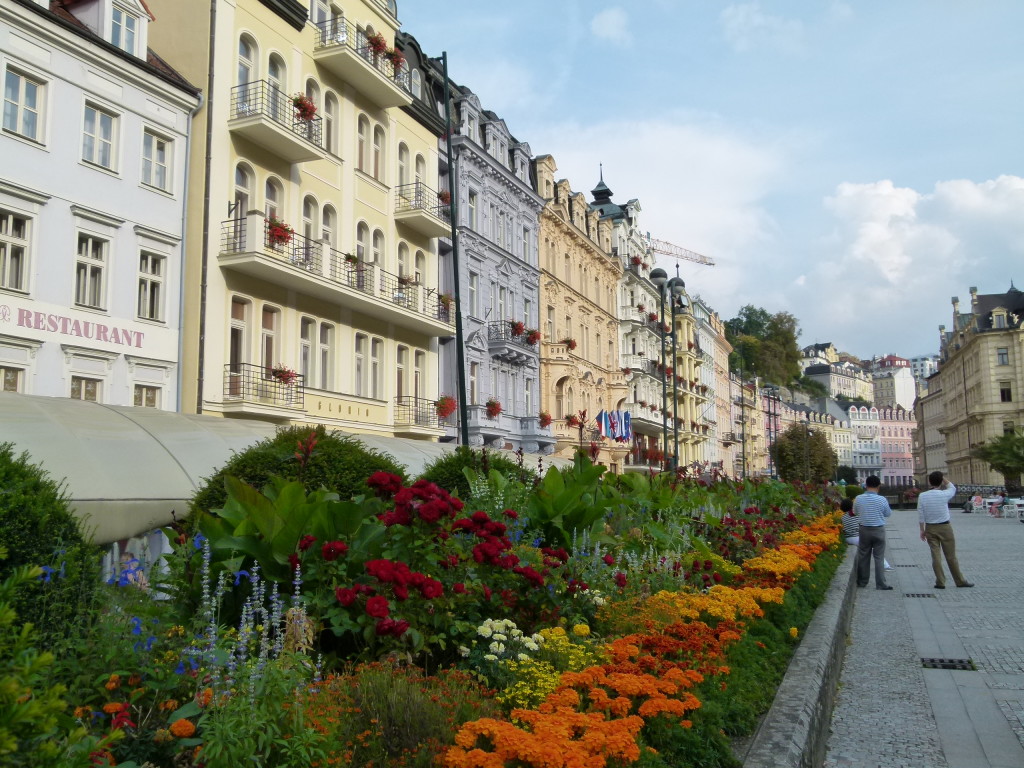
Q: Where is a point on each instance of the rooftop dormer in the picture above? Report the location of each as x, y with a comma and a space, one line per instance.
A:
123, 23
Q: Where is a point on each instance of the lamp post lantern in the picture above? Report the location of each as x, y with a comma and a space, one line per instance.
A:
676, 289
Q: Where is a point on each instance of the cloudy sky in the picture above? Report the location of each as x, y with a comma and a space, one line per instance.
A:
856, 164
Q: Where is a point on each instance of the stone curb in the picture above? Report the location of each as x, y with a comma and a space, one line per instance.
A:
795, 731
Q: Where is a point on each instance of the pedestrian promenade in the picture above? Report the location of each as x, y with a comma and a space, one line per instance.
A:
890, 711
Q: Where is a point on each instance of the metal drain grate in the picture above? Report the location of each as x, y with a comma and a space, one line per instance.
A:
928, 663
906, 565
919, 594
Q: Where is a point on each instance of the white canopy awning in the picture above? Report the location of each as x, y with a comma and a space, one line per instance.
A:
127, 469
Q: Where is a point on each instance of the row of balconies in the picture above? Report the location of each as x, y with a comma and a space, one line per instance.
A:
250, 246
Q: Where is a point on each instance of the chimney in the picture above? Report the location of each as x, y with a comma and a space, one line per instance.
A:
974, 299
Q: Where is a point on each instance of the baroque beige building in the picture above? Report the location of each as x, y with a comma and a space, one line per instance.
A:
579, 368
980, 381
312, 267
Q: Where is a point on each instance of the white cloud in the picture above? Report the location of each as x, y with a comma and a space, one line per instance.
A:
747, 27
612, 24
897, 255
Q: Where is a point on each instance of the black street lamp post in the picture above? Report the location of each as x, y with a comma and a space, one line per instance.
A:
674, 290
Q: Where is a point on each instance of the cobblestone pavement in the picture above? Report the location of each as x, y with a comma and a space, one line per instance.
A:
890, 711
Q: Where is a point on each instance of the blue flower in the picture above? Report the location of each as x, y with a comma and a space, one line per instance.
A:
180, 669
197, 541
240, 574
45, 575
136, 626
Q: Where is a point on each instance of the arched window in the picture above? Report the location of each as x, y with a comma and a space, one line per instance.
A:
362, 241
420, 362
417, 84
328, 222
421, 169
378, 153
330, 123
403, 260
421, 266
378, 246
312, 91
570, 407
273, 197
309, 211
238, 343
243, 190
403, 164
246, 60
363, 144
277, 80
268, 338
402, 362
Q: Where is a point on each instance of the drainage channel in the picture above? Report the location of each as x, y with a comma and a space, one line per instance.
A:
919, 594
930, 663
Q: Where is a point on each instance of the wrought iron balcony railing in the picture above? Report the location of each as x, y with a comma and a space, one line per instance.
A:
262, 99
413, 411
338, 32
417, 196
256, 383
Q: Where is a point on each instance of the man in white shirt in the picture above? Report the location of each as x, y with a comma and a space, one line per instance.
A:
936, 529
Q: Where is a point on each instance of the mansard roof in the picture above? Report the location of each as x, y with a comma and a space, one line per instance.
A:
1012, 302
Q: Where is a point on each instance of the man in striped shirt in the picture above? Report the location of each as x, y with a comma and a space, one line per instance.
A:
936, 529
872, 509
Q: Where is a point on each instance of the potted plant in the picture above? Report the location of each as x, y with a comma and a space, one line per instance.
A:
446, 300
376, 43
278, 233
405, 280
284, 374
517, 327
643, 403
544, 419
627, 371
493, 408
641, 307
573, 422
636, 261
668, 371
396, 58
350, 258
532, 337
570, 343
445, 406
652, 317
305, 109
445, 197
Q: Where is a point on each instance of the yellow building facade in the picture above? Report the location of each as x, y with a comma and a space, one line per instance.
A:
579, 365
311, 277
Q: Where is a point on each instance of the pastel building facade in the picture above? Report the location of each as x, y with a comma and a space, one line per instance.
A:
896, 428
314, 275
867, 443
94, 139
579, 362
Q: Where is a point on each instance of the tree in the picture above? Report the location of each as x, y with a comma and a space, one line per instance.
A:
802, 453
1005, 455
765, 345
847, 473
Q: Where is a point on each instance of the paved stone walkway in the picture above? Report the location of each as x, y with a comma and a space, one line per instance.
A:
890, 711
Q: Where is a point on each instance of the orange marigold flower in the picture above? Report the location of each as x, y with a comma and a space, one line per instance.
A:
113, 682
82, 711
204, 696
112, 706
183, 728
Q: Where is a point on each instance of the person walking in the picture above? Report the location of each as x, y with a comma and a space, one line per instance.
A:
936, 529
872, 509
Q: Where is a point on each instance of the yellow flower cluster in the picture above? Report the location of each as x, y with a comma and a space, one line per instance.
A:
534, 680
777, 562
565, 655
720, 602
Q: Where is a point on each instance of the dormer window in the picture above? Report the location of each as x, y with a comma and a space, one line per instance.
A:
123, 29
999, 319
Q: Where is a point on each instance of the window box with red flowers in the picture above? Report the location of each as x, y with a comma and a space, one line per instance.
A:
517, 327
573, 422
278, 233
305, 109
493, 408
445, 406
641, 308
570, 343
284, 374
532, 337
544, 419
643, 403
652, 317
396, 57
351, 258
445, 197
627, 371
668, 371
636, 261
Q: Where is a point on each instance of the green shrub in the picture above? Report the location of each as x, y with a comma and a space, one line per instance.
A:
853, 491
446, 471
38, 529
338, 463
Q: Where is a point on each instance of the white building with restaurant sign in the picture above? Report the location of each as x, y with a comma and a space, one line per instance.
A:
94, 140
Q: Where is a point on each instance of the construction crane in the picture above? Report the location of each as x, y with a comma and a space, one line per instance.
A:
670, 249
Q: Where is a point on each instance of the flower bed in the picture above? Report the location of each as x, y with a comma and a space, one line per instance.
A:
603, 633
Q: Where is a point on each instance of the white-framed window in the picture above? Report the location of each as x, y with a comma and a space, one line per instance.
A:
378, 153
330, 123
328, 224
146, 396
471, 210
417, 84
14, 251
377, 254
474, 294
363, 144
401, 364
23, 105
246, 61
1003, 356
123, 29
270, 322
474, 382
85, 388
152, 268
91, 271
403, 164
325, 361
11, 379
376, 367
272, 195
99, 137
306, 328
359, 364
419, 366
156, 159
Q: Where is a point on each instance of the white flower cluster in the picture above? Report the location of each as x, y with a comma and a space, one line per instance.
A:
506, 637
